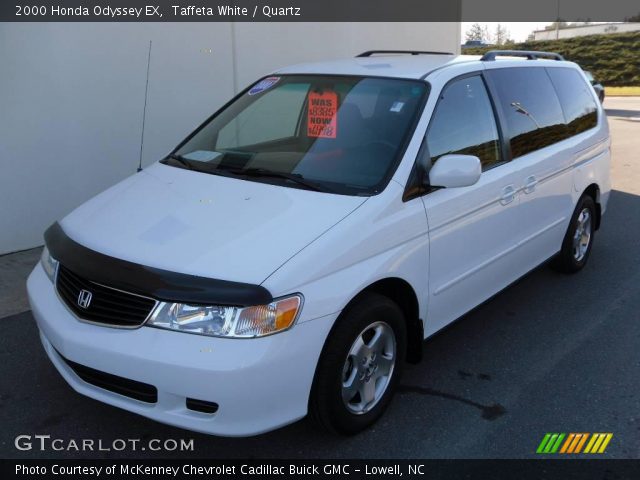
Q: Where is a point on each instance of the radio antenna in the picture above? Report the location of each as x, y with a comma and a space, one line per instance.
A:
144, 111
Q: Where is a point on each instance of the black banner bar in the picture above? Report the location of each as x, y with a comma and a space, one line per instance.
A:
231, 11
318, 10
324, 469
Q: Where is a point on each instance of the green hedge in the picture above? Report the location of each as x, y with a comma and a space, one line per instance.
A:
614, 59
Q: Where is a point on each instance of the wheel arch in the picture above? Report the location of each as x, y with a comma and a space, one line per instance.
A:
593, 191
403, 294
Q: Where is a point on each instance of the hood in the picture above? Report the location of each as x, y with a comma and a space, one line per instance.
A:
206, 225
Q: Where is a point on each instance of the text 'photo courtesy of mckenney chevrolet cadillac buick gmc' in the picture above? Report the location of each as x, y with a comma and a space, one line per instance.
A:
292, 253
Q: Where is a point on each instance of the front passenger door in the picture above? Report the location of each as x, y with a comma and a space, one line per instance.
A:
472, 230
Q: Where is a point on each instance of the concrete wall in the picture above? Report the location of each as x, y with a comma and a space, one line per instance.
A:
586, 30
72, 97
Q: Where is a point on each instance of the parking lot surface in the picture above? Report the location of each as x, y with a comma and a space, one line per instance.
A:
552, 353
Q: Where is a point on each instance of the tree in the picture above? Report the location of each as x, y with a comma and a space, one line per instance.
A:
486, 36
475, 32
478, 32
501, 35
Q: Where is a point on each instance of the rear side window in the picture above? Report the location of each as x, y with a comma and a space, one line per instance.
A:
577, 101
463, 123
533, 113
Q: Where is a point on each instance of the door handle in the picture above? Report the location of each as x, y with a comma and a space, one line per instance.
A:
530, 184
508, 195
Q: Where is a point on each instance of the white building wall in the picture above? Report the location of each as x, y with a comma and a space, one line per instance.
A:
584, 30
72, 97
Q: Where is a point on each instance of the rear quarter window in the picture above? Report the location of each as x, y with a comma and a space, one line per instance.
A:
577, 101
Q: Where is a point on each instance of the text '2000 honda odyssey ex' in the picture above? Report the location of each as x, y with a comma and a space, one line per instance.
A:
294, 251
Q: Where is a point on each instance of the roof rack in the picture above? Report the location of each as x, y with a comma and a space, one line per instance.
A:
369, 53
529, 54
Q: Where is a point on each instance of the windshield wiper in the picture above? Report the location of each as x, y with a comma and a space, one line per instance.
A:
294, 177
250, 172
182, 161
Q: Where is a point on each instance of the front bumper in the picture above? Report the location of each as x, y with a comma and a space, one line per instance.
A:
259, 384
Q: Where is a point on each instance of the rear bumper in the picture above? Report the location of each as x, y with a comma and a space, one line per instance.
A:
259, 384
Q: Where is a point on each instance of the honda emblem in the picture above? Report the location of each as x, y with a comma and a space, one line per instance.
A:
84, 298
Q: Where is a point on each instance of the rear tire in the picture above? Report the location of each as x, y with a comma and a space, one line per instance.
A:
577, 243
360, 366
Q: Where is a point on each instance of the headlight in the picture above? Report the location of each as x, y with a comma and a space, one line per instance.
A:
236, 322
48, 263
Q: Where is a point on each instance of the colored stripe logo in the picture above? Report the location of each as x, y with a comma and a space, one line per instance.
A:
574, 443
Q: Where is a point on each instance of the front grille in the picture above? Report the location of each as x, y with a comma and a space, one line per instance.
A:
107, 305
123, 386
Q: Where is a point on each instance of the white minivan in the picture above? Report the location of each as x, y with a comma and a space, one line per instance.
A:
294, 251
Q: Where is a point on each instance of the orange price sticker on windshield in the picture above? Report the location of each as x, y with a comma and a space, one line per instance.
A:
322, 120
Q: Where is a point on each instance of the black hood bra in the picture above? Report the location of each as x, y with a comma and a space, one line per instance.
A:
160, 284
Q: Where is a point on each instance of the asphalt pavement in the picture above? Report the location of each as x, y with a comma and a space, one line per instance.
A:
552, 353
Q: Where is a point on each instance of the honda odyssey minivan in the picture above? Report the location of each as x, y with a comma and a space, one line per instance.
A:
292, 253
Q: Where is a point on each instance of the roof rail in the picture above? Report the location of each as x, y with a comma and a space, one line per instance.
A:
529, 54
369, 53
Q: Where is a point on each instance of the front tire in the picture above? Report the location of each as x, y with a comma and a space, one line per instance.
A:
577, 243
360, 366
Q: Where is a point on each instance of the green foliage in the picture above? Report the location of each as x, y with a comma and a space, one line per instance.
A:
614, 59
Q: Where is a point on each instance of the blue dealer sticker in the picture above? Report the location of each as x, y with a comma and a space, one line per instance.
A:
263, 85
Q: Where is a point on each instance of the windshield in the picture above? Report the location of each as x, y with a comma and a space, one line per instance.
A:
328, 133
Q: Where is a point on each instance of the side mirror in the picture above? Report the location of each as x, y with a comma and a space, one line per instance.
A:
454, 170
